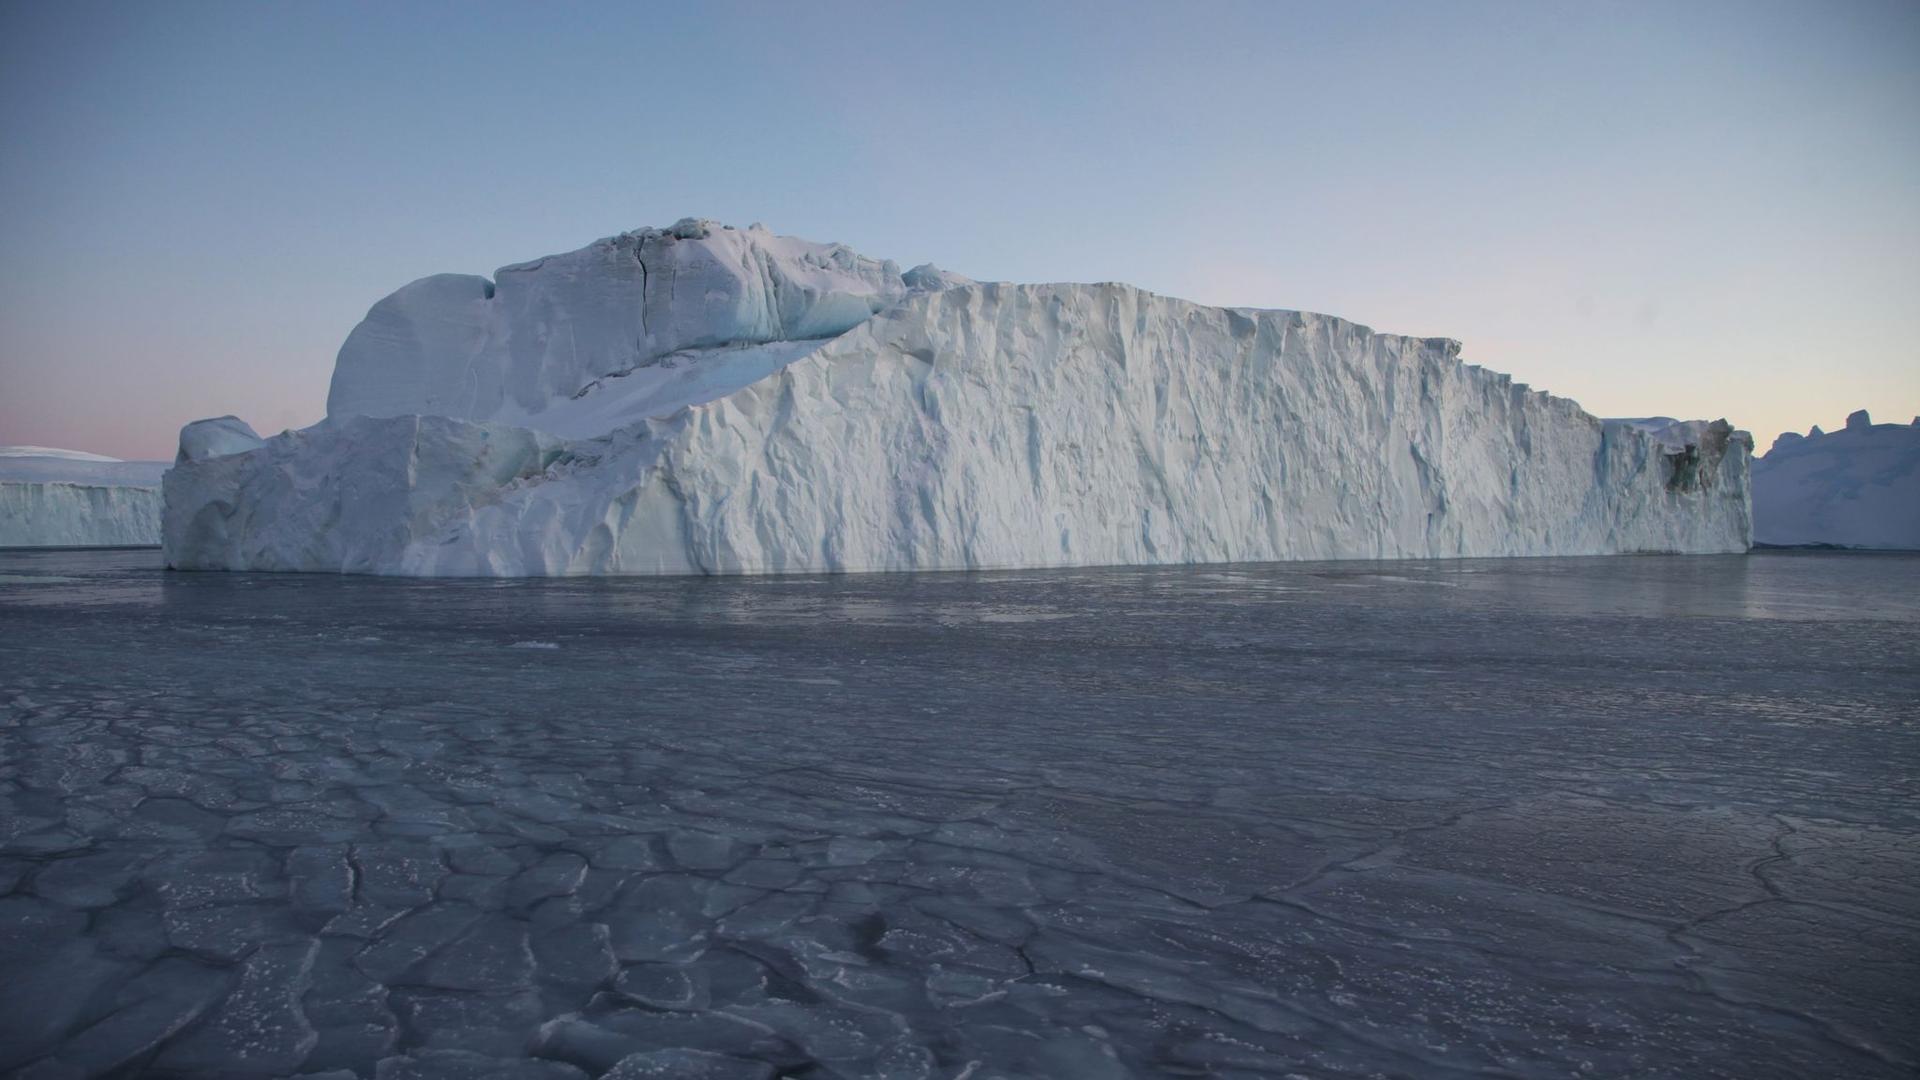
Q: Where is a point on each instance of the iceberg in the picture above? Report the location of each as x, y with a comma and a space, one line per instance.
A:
1856, 487
70, 498
708, 400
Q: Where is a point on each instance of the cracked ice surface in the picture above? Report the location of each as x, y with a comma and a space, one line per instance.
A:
1603, 817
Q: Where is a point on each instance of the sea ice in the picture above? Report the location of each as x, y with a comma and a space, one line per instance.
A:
1410, 819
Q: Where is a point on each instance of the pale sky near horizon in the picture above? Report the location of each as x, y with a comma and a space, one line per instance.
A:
1701, 209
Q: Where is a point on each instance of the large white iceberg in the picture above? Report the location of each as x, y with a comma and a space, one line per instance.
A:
1857, 487
702, 399
71, 498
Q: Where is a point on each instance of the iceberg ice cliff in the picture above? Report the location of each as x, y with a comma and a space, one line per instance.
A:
70, 498
702, 399
1857, 487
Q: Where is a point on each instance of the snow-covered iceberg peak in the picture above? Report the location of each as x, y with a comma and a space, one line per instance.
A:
545, 331
218, 437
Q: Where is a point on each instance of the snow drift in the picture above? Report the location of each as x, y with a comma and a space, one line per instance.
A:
1858, 487
70, 498
708, 400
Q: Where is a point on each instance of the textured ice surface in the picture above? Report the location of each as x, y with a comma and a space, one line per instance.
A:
541, 331
1857, 487
55, 453
217, 437
1538, 818
71, 498
709, 400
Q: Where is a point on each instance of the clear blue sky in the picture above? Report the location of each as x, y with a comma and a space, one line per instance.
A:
1694, 208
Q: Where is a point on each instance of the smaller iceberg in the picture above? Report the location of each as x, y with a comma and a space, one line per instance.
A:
70, 498
1856, 487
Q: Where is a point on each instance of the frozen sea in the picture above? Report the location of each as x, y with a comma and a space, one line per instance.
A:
1639, 816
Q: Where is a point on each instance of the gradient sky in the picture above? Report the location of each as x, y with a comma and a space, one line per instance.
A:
1696, 209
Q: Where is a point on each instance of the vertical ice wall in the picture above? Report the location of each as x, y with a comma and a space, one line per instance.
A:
69, 498
779, 406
